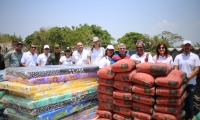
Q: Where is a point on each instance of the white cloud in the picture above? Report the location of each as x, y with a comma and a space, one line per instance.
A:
197, 24
166, 23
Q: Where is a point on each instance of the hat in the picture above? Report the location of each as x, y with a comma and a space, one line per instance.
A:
110, 47
46, 46
19, 43
95, 39
68, 49
56, 46
187, 42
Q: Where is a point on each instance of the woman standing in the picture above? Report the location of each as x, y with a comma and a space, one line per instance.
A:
107, 59
162, 54
67, 59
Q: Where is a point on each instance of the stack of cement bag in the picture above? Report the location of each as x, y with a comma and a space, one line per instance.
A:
2, 92
49, 92
134, 91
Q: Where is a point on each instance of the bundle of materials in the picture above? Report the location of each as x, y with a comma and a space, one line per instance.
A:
49, 92
2, 92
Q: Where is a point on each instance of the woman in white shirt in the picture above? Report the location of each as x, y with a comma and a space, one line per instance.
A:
97, 52
162, 55
107, 59
67, 59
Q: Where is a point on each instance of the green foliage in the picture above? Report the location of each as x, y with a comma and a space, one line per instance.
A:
9, 38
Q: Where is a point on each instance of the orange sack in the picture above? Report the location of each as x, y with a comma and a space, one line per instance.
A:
165, 116
105, 82
141, 115
119, 94
122, 110
154, 68
122, 103
148, 100
171, 100
142, 107
173, 80
143, 79
123, 65
105, 98
118, 116
104, 113
105, 89
164, 91
102, 118
141, 89
124, 76
125, 86
105, 105
106, 72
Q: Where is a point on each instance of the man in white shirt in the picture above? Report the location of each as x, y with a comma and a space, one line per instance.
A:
42, 58
29, 58
80, 56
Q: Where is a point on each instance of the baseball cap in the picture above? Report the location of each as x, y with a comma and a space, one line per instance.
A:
110, 47
95, 39
68, 49
56, 46
46, 46
19, 43
187, 42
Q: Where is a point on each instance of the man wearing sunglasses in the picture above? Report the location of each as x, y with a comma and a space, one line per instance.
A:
42, 58
55, 57
29, 59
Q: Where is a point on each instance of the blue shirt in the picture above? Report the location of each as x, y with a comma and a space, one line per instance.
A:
15, 59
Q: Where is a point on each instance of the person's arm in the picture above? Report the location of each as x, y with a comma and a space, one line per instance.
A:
194, 72
48, 60
60, 61
23, 60
176, 63
38, 61
7, 55
88, 59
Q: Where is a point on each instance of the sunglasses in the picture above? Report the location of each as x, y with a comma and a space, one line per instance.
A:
33, 47
46, 49
161, 48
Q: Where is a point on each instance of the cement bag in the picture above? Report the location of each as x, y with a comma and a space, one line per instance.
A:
122, 95
169, 109
143, 79
142, 107
104, 113
173, 80
102, 118
171, 100
106, 72
122, 103
122, 110
144, 90
123, 65
105, 89
105, 98
124, 76
118, 116
165, 116
148, 100
105, 105
164, 91
154, 68
105, 82
125, 86
141, 115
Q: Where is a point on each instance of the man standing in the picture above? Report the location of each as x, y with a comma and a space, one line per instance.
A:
121, 54
55, 57
42, 58
15, 56
189, 63
80, 56
29, 59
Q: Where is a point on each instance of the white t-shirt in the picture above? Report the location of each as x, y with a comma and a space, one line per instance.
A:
29, 59
42, 59
80, 58
168, 60
187, 64
96, 55
105, 61
66, 61
141, 58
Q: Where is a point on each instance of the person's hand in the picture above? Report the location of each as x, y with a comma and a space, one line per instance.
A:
186, 80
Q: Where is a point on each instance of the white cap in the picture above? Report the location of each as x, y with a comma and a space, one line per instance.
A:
187, 42
46, 46
95, 39
110, 47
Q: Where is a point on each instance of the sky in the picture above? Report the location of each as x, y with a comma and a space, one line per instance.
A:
118, 17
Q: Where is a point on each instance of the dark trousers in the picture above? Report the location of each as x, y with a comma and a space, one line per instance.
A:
189, 109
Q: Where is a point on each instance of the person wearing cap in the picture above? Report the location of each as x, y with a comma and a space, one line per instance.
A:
107, 59
80, 56
140, 54
42, 58
29, 59
67, 59
189, 63
15, 55
55, 57
121, 53
97, 52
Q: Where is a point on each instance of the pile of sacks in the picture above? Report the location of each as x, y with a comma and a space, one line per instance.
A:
140, 91
2, 92
49, 92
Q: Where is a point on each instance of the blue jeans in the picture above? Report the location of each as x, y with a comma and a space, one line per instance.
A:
189, 109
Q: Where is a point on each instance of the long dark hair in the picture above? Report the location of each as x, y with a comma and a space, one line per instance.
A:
166, 50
